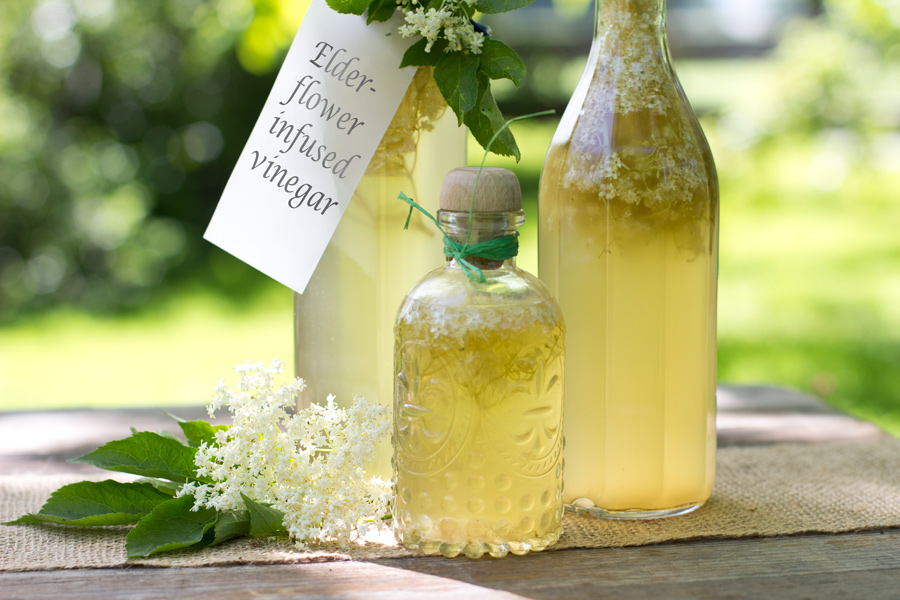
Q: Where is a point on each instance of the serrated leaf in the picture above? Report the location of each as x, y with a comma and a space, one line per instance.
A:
166, 434
499, 61
199, 432
93, 503
456, 76
161, 432
148, 454
353, 7
493, 7
265, 521
163, 485
173, 416
232, 524
486, 120
381, 10
171, 525
416, 56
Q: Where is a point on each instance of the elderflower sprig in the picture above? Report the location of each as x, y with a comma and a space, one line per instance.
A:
464, 58
451, 22
310, 465
273, 472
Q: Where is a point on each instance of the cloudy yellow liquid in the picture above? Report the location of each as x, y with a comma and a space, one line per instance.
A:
638, 294
344, 320
478, 429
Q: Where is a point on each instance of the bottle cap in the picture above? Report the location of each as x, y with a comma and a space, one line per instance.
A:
498, 190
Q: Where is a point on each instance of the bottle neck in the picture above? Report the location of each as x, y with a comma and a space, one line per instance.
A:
480, 227
621, 21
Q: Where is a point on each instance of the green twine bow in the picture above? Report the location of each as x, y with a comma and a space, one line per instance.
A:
498, 249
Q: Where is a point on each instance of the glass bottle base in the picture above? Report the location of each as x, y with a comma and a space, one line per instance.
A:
583, 506
478, 549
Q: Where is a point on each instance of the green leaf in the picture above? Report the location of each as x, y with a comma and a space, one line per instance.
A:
161, 432
174, 417
163, 485
499, 61
456, 76
486, 120
92, 503
265, 521
199, 432
232, 524
148, 454
166, 434
493, 7
416, 56
353, 7
170, 526
381, 10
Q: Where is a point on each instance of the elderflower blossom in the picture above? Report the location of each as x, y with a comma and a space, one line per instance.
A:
449, 20
309, 464
631, 81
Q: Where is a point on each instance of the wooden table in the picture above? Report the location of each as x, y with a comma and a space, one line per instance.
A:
852, 565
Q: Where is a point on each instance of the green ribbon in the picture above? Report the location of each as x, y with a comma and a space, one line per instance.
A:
499, 249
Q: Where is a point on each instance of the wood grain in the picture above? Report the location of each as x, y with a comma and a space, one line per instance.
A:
861, 565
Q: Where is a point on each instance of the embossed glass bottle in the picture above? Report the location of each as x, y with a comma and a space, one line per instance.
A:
478, 392
628, 243
344, 321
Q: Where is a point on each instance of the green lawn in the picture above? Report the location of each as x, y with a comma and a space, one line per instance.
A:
167, 356
809, 295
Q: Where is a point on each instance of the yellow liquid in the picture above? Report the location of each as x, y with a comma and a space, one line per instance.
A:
638, 294
478, 428
344, 320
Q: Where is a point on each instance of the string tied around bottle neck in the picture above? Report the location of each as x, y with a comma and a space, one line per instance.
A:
496, 249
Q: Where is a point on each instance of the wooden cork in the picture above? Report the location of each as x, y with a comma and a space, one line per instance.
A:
498, 190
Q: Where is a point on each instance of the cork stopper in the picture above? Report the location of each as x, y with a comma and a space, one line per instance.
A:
498, 190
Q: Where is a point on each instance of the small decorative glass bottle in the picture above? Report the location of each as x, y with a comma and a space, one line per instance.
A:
478, 366
628, 243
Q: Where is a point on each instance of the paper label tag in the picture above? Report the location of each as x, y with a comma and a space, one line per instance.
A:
331, 104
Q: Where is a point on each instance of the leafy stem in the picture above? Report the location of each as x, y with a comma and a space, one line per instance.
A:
465, 60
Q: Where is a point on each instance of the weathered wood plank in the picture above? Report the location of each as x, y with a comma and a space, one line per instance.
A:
323, 581
41, 442
761, 414
861, 565
708, 564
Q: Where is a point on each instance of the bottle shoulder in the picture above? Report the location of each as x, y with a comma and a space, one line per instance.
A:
505, 291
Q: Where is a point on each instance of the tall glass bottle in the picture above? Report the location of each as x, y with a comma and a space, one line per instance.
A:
344, 320
478, 392
628, 243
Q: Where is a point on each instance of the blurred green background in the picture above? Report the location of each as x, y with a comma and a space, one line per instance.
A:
120, 121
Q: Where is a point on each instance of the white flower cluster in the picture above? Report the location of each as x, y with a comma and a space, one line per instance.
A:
309, 465
449, 20
457, 323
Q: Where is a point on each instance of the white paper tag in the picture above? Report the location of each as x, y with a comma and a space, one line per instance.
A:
331, 104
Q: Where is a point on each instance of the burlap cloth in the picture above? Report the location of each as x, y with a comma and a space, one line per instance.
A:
760, 491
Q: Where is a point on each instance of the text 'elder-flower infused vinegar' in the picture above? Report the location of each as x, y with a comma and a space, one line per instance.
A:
478, 390
628, 244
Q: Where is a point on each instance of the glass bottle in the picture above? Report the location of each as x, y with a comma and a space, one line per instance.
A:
628, 243
343, 322
478, 392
